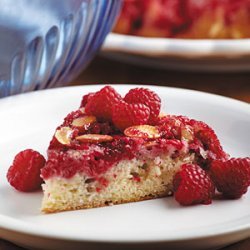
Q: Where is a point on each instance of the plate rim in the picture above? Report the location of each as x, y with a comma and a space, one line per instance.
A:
166, 47
29, 229
16, 225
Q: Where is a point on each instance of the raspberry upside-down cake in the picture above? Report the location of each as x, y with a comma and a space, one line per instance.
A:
114, 150
185, 18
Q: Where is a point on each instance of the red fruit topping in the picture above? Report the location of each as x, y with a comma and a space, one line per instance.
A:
192, 185
171, 125
125, 115
93, 162
100, 104
72, 116
24, 174
231, 177
143, 131
209, 139
147, 97
85, 99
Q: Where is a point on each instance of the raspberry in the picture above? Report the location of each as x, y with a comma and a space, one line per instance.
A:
192, 185
231, 177
209, 140
126, 115
171, 125
24, 174
146, 97
100, 104
85, 99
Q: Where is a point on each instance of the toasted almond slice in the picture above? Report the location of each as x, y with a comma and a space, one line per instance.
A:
143, 131
94, 138
84, 120
161, 115
63, 135
150, 144
82, 110
187, 133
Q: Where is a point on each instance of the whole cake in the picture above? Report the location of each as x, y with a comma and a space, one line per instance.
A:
185, 18
115, 149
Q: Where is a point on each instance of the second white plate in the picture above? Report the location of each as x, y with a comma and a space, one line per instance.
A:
181, 54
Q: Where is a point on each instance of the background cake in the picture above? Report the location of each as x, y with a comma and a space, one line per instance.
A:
185, 18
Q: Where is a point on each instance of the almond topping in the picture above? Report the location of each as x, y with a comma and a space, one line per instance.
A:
143, 131
83, 121
82, 110
94, 138
187, 133
63, 135
150, 144
161, 115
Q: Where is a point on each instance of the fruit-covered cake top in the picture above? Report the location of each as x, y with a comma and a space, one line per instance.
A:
108, 128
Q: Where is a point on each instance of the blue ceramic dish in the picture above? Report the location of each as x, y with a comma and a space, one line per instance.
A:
46, 43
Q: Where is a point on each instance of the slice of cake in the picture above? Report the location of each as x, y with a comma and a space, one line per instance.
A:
114, 150
185, 18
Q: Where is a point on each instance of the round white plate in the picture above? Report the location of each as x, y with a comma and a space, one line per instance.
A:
29, 120
181, 54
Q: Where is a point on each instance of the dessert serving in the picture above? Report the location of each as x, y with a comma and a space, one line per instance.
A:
185, 18
115, 149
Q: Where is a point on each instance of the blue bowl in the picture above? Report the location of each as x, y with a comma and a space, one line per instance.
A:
47, 43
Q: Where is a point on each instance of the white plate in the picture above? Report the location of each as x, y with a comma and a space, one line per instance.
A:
181, 54
29, 120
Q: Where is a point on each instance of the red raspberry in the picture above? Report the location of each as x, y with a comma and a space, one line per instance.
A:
209, 139
192, 185
146, 97
100, 104
125, 115
231, 177
85, 99
24, 174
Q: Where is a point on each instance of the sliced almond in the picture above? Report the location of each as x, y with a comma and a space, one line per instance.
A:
161, 115
63, 135
94, 138
83, 121
82, 110
150, 144
143, 131
187, 133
